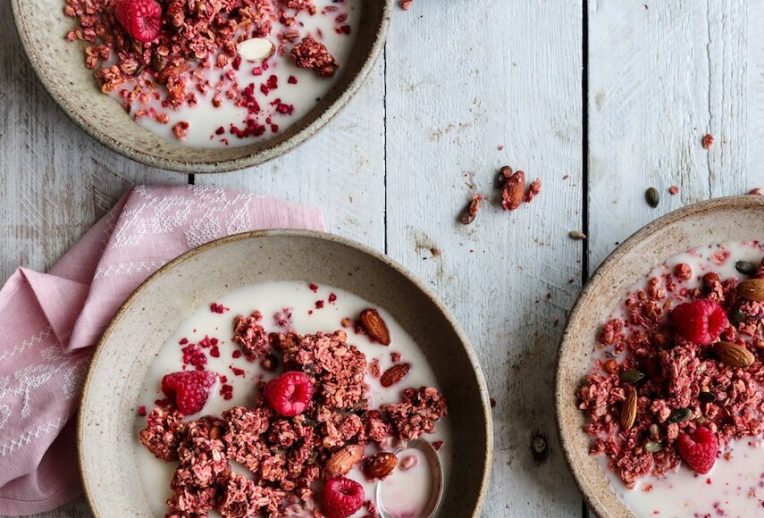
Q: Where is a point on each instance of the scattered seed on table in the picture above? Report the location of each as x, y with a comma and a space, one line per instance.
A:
577, 235
707, 141
673, 190
653, 197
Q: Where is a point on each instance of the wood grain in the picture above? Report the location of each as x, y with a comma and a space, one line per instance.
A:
56, 180
459, 84
662, 75
340, 170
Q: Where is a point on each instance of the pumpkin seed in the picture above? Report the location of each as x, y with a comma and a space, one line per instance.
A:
631, 376
745, 267
653, 446
706, 397
737, 316
679, 415
653, 197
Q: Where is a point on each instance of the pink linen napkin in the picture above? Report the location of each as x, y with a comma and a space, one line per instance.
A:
49, 322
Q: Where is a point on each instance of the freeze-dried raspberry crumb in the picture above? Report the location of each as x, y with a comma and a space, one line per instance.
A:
218, 308
342, 497
180, 130
142, 19
707, 141
673, 190
141, 411
533, 190
250, 335
700, 321
163, 433
699, 449
289, 394
189, 390
313, 55
194, 356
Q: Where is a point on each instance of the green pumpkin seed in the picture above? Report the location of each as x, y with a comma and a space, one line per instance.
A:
653, 446
653, 197
706, 397
631, 376
746, 267
737, 316
679, 415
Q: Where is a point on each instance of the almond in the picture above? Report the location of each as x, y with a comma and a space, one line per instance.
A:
514, 188
394, 374
751, 289
344, 460
734, 355
375, 327
255, 49
629, 410
380, 465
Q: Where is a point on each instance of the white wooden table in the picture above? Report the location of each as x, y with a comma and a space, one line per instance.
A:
600, 101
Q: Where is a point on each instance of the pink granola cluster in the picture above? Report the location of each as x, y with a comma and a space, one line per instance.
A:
286, 456
680, 385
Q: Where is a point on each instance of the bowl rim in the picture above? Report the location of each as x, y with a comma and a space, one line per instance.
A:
220, 166
309, 234
738, 202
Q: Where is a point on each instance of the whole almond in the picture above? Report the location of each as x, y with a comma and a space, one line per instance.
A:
394, 374
514, 191
629, 410
344, 460
380, 465
751, 289
734, 355
375, 326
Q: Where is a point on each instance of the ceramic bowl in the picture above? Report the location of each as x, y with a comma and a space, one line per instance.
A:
41, 25
704, 223
107, 413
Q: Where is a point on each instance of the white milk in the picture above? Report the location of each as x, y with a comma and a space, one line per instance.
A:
734, 487
205, 119
270, 298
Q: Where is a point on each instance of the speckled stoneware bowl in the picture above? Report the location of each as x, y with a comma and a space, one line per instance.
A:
107, 413
60, 66
726, 219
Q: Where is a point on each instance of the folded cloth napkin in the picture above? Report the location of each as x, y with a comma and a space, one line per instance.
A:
50, 322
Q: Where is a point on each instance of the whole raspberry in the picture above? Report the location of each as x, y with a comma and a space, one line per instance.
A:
700, 321
142, 19
289, 394
189, 390
342, 497
699, 449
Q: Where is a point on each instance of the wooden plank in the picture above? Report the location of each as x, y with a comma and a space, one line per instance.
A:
661, 75
459, 84
56, 180
340, 170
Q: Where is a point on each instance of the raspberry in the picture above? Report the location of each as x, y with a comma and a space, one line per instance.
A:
289, 394
342, 497
699, 449
189, 390
700, 321
142, 19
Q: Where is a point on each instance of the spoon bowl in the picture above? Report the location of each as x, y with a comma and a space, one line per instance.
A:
436, 472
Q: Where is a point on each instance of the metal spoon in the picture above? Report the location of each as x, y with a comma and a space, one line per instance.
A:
436, 470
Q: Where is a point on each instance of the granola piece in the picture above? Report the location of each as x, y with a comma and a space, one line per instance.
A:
300, 5
313, 55
251, 336
163, 433
338, 429
335, 367
377, 429
418, 412
243, 435
242, 498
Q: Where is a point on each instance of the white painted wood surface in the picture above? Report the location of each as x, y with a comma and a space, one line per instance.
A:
396, 167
